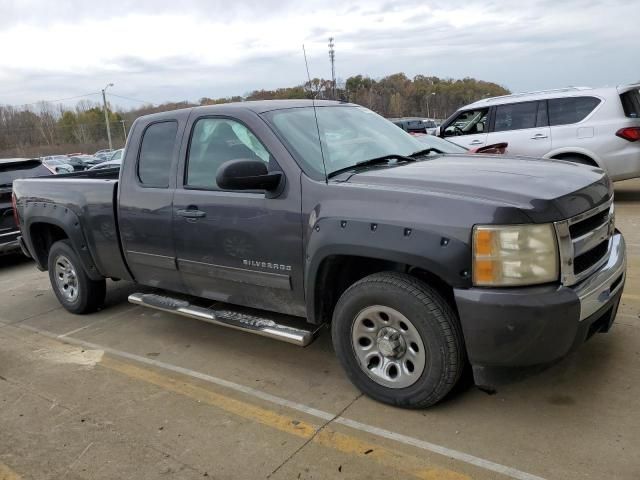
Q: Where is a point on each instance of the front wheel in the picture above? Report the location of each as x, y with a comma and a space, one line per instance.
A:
398, 340
74, 289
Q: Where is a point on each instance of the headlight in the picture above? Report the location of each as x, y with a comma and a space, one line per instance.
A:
513, 255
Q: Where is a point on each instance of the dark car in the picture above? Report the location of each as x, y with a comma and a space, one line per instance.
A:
415, 124
10, 170
75, 162
108, 164
88, 160
300, 214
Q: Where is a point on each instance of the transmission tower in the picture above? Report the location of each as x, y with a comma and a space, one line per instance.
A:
332, 59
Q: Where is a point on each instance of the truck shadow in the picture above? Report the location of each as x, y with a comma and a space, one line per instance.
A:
12, 260
627, 191
627, 195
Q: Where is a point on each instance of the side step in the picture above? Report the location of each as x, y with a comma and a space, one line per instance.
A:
266, 327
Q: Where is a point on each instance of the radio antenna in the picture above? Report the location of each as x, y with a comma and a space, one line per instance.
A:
315, 114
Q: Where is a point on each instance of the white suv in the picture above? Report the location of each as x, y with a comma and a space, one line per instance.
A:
595, 126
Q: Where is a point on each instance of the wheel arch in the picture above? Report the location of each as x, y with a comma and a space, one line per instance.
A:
587, 155
47, 224
335, 273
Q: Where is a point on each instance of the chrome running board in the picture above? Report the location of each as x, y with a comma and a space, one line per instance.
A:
301, 335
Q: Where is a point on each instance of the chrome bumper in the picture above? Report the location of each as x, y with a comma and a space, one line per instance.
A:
596, 290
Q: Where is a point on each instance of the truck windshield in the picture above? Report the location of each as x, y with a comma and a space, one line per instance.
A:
349, 135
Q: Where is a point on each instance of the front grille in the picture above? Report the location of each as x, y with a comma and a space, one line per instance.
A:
593, 256
588, 224
584, 242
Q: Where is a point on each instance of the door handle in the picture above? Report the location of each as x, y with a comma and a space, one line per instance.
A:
476, 142
539, 136
191, 213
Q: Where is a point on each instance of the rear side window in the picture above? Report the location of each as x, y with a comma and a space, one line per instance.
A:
563, 111
516, 116
156, 153
631, 103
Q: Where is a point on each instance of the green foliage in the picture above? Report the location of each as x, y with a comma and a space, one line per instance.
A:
396, 95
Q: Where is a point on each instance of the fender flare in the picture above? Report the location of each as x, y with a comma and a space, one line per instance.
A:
65, 219
445, 257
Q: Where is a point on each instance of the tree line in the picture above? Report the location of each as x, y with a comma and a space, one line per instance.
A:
43, 128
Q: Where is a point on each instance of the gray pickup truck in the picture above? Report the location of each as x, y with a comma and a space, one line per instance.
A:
279, 217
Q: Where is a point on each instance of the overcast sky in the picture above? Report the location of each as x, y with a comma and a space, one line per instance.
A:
169, 50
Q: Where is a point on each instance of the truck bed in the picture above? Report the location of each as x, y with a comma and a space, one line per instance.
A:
83, 198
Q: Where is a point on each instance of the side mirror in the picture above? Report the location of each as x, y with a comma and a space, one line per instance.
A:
437, 132
247, 174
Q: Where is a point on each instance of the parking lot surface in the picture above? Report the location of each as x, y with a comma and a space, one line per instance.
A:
134, 393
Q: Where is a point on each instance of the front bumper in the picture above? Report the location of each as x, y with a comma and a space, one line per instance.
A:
520, 327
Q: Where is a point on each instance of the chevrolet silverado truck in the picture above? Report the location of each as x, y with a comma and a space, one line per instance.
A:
279, 217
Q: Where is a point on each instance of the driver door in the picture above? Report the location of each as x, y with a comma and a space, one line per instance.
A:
468, 128
240, 247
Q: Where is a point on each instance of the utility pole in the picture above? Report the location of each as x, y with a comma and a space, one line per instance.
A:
106, 114
124, 130
332, 59
429, 96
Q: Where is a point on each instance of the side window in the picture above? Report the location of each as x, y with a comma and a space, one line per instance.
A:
156, 153
543, 119
215, 141
631, 103
563, 111
470, 122
516, 116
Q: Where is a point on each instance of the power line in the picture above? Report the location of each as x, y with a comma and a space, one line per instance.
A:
75, 97
59, 127
132, 99
50, 101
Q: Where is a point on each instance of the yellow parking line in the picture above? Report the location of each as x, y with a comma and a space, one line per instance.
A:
7, 474
325, 437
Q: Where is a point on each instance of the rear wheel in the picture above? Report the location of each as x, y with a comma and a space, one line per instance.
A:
74, 289
398, 340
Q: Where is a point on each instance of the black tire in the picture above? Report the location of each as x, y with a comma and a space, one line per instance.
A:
89, 294
434, 320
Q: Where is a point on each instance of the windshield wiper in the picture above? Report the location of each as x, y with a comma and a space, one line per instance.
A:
371, 161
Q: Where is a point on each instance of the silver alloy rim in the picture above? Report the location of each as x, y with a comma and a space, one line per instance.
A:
66, 278
388, 347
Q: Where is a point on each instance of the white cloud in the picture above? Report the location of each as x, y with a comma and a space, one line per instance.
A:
161, 50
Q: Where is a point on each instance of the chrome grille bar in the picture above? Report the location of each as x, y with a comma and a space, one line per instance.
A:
571, 247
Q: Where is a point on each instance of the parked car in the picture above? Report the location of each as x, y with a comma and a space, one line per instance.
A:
10, 170
416, 124
440, 145
88, 160
598, 127
103, 155
109, 164
116, 155
57, 166
419, 262
74, 161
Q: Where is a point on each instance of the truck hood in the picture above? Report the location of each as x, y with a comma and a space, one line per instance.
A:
545, 190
